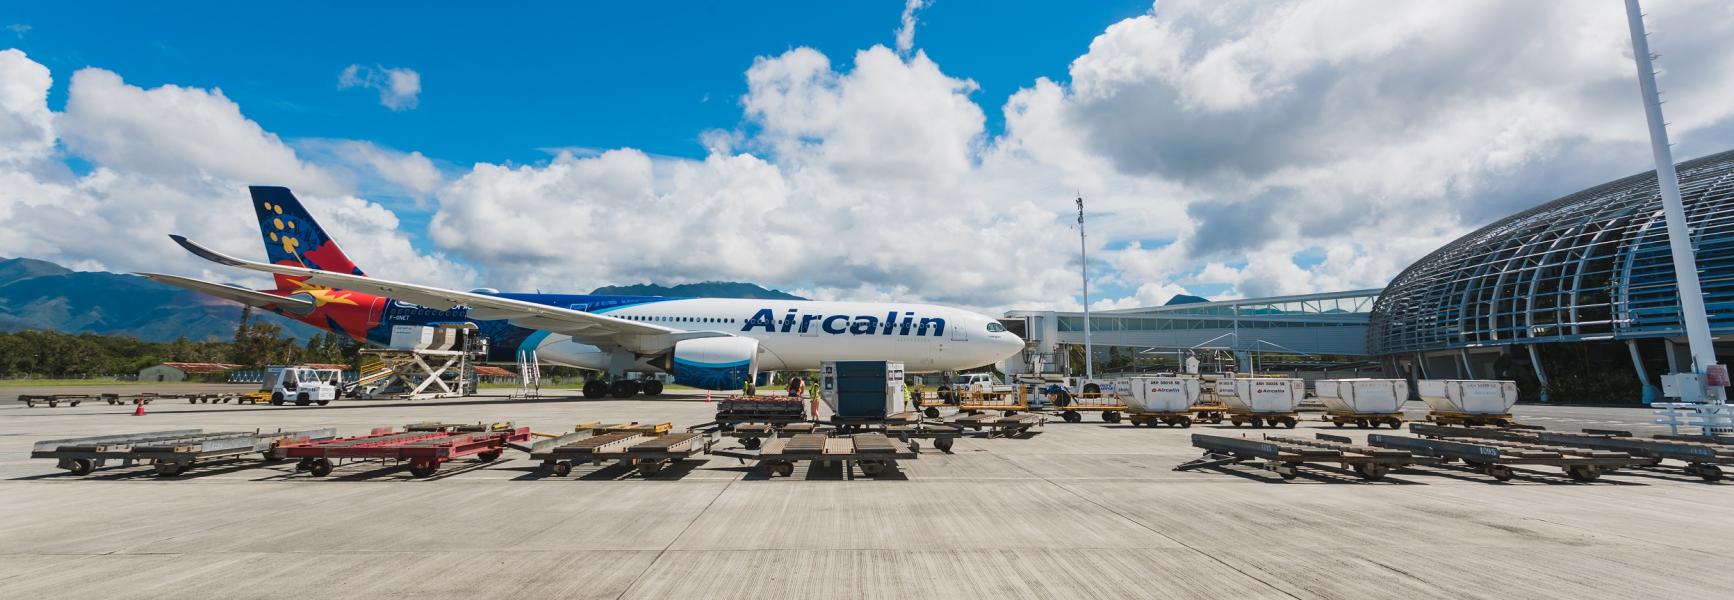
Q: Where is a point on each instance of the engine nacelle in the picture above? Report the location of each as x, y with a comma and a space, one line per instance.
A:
718, 363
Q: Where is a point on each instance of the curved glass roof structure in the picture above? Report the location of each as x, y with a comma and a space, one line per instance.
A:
1593, 265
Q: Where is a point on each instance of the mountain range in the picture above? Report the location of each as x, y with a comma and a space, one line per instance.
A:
37, 294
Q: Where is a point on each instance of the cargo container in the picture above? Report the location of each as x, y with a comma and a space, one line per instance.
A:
1363, 402
1468, 397
1169, 400
1263, 400
862, 390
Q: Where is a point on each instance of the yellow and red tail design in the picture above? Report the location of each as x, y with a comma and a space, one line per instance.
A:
293, 238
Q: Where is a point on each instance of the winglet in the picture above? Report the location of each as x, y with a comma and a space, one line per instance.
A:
206, 253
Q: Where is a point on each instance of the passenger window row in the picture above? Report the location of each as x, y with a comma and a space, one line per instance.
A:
667, 319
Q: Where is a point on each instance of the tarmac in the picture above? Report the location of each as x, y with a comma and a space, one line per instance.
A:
1085, 510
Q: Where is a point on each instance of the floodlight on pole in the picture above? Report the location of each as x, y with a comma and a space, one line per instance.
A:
1692, 316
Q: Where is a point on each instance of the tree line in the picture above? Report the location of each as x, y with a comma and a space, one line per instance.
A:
53, 354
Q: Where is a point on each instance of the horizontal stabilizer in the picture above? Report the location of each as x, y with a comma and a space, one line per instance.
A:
229, 292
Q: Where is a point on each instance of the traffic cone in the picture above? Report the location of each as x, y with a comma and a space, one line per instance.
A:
138, 412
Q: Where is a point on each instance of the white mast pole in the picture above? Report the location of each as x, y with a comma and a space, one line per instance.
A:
1084, 260
1692, 316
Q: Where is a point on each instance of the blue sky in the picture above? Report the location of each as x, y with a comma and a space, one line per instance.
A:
1226, 147
501, 85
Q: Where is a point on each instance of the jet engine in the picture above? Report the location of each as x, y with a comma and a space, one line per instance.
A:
718, 363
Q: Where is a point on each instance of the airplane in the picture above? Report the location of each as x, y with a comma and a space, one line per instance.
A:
707, 343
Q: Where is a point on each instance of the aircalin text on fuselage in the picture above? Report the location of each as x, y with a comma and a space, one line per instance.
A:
910, 324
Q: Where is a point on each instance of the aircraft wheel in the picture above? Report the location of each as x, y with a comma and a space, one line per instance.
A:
623, 388
595, 388
652, 388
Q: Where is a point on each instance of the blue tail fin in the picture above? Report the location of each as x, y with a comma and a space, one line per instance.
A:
292, 237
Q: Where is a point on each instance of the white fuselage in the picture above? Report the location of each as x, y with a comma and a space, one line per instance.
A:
796, 335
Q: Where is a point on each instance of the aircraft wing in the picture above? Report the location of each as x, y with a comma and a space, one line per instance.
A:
585, 327
238, 294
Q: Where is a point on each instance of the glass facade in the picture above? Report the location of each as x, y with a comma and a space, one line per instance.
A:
1592, 265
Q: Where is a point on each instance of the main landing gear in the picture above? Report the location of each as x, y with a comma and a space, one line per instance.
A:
621, 388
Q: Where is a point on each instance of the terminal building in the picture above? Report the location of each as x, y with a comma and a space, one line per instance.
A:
1307, 332
1575, 299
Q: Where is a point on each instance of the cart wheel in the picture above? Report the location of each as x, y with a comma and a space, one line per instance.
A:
1136, 422
1236, 422
1583, 473
1112, 416
1708, 472
915, 446
319, 467
1289, 422
1071, 416
779, 469
1185, 422
269, 456
563, 468
81, 466
169, 469
648, 469
323, 402
751, 443
931, 412
871, 468
192, 400
1394, 422
1288, 474
1339, 424
1372, 471
423, 468
1501, 472
1361, 423
1257, 422
1501, 423
303, 464
489, 456
943, 444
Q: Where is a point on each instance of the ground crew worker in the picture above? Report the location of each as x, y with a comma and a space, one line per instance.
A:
747, 387
814, 403
915, 397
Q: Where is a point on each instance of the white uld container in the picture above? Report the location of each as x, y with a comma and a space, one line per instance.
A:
411, 337
1162, 394
1265, 395
1474, 397
1362, 396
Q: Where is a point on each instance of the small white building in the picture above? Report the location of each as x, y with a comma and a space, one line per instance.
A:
176, 371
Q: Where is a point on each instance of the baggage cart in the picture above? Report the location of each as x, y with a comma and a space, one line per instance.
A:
874, 453
425, 446
171, 452
646, 452
999, 425
55, 400
1704, 461
1261, 401
1284, 455
1496, 458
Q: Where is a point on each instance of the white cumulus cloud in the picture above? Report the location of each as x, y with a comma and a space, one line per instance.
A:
399, 88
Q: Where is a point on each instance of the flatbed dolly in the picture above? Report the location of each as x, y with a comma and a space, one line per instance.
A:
775, 410
215, 398
647, 453
1257, 420
999, 425
1111, 408
1209, 412
874, 453
1704, 461
1458, 418
1284, 455
1172, 419
908, 427
752, 435
1496, 457
980, 402
170, 452
54, 400
1364, 420
425, 446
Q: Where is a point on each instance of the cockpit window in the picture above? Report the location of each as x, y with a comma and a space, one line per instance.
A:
995, 328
